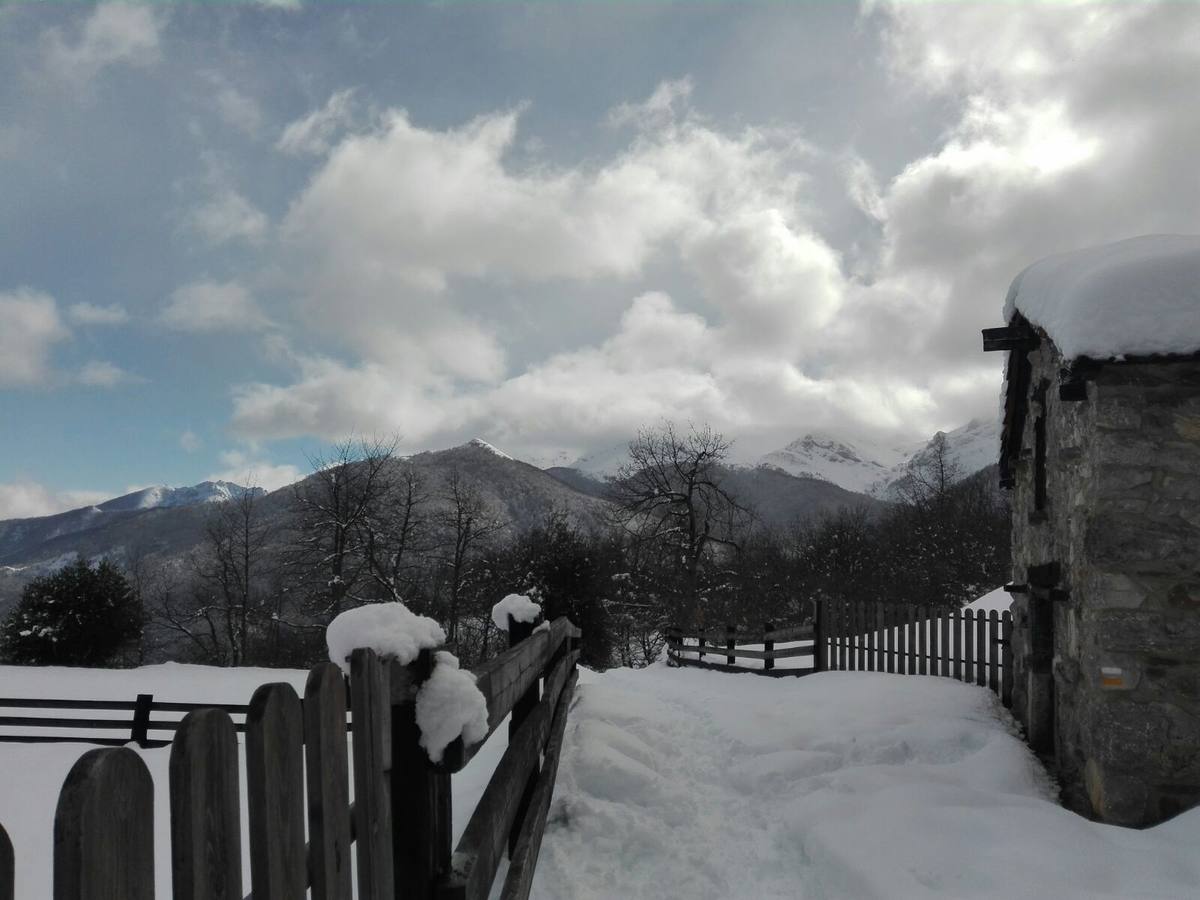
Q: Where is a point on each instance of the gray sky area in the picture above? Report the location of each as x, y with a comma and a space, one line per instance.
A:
232, 233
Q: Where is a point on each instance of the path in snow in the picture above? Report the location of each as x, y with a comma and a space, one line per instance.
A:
686, 783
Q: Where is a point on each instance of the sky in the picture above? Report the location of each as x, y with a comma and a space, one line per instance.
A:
231, 234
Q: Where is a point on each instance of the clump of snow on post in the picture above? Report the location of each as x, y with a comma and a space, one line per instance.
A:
390, 629
449, 705
1137, 297
520, 607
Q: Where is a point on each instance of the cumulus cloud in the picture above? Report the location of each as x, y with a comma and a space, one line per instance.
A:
1068, 124
208, 306
315, 133
114, 34
30, 326
249, 468
228, 216
29, 499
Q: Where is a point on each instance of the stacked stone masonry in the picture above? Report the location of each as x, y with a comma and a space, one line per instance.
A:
1112, 694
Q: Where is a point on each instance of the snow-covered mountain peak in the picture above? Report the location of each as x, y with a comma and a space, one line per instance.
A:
163, 497
484, 445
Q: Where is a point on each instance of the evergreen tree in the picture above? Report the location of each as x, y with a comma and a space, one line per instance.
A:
78, 616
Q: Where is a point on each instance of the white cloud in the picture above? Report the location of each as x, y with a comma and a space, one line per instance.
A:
315, 133
249, 469
100, 373
92, 314
29, 327
189, 441
238, 110
28, 499
114, 34
207, 306
228, 216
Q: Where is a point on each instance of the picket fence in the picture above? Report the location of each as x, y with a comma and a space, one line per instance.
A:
968, 645
399, 824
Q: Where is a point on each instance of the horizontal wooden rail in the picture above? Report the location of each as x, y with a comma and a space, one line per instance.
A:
722, 636
742, 652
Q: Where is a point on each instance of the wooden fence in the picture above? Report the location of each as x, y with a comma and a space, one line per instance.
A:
399, 823
732, 644
137, 727
965, 644
968, 645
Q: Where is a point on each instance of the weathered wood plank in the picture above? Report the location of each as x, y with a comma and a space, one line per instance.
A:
275, 793
420, 791
327, 771
1006, 685
206, 840
880, 637
8, 867
371, 693
821, 634
869, 623
475, 860
968, 657
957, 623
746, 653
769, 648
922, 640
945, 649
889, 637
730, 644
994, 651
719, 636
982, 649
517, 632
524, 857
104, 829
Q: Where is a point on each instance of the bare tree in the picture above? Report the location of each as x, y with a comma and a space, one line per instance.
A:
334, 510
399, 533
466, 525
669, 495
228, 599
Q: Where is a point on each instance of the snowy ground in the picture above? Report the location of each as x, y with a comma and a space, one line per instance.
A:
698, 784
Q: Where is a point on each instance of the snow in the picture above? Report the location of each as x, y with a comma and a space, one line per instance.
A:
688, 783
1136, 297
484, 445
389, 629
449, 706
520, 607
999, 600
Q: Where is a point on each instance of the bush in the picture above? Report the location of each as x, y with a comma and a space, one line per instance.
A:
80, 616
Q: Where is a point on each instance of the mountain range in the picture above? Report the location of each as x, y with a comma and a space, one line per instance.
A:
815, 474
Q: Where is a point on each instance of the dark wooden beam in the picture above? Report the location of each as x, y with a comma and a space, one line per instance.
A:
1009, 337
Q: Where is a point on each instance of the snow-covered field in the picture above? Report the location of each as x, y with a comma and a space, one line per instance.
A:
698, 784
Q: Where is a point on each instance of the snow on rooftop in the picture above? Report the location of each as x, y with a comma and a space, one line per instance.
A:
1137, 297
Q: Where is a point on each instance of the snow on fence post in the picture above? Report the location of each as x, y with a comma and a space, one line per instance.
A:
206, 842
374, 812
275, 794
104, 829
327, 781
420, 793
526, 704
8, 870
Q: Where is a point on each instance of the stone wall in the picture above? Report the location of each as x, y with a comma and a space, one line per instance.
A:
1122, 520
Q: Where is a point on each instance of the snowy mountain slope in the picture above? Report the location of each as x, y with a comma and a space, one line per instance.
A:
875, 469
163, 497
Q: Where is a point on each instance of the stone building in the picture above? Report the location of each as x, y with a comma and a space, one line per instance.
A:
1101, 451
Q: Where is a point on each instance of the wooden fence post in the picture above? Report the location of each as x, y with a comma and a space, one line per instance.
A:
1006, 674
8, 868
869, 623
923, 639
206, 841
994, 651
968, 630
730, 644
420, 794
982, 650
768, 647
104, 829
275, 791
371, 687
328, 792
141, 719
957, 621
944, 649
517, 632
699, 644
820, 645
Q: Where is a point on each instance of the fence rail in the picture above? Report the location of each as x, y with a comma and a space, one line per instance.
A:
399, 827
734, 644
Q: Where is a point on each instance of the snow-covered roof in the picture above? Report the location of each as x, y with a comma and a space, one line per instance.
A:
1137, 297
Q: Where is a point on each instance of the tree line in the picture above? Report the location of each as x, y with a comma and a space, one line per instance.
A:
676, 547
